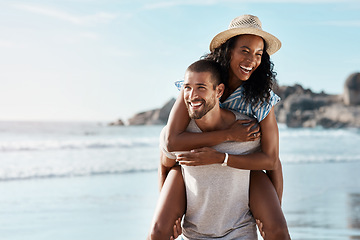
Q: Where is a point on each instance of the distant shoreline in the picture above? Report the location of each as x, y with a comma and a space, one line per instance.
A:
298, 108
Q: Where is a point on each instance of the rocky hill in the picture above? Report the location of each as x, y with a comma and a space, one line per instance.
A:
153, 117
298, 107
302, 108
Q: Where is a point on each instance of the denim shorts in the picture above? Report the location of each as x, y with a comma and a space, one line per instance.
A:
180, 237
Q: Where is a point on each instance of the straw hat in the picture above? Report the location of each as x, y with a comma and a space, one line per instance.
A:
246, 24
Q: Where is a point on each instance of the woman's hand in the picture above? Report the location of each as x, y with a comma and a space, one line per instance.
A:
244, 131
201, 156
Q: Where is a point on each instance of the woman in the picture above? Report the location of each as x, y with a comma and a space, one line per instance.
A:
243, 52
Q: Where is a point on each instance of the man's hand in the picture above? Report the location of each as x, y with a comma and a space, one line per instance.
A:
201, 156
177, 229
244, 131
260, 227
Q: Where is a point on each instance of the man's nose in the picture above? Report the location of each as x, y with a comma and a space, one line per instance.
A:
193, 94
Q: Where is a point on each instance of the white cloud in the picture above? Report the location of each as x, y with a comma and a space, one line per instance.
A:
10, 44
89, 35
181, 3
101, 17
354, 23
121, 53
79, 37
167, 4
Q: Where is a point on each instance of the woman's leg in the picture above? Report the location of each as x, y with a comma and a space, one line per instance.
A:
171, 205
265, 206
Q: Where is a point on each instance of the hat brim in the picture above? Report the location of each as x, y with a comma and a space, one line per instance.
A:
273, 44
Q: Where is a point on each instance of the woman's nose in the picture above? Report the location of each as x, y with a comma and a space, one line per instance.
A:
250, 58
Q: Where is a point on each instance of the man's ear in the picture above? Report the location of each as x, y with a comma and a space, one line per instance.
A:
220, 90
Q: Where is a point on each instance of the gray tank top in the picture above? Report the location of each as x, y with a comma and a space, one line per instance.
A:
218, 196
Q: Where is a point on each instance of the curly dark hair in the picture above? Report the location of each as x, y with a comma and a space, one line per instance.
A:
261, 81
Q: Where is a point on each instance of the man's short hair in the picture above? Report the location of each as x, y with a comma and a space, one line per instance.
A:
205, 65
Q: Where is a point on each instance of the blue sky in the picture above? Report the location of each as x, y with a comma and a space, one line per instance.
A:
104, 60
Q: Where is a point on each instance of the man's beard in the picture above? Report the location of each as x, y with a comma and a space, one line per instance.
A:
206, 107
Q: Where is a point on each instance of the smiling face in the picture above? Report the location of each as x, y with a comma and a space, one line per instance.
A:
245, 57
200, 96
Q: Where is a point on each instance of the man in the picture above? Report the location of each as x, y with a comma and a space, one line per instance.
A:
217, 196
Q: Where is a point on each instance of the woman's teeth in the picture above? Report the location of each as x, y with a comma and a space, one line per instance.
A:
246, 69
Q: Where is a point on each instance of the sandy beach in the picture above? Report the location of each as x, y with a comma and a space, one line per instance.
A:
89, 182
101, 207
321, 201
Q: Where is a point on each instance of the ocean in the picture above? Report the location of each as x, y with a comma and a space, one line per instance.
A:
87, 180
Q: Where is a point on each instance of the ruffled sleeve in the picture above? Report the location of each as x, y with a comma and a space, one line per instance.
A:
262, 109
179, 84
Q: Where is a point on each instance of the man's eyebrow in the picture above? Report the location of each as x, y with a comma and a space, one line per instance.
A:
197, 84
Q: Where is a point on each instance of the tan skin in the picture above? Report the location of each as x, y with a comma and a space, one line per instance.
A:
245, 58
245, 55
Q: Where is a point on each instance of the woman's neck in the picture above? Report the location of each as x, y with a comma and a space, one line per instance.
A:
232, 85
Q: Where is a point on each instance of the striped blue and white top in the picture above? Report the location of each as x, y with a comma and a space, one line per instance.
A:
237, 103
